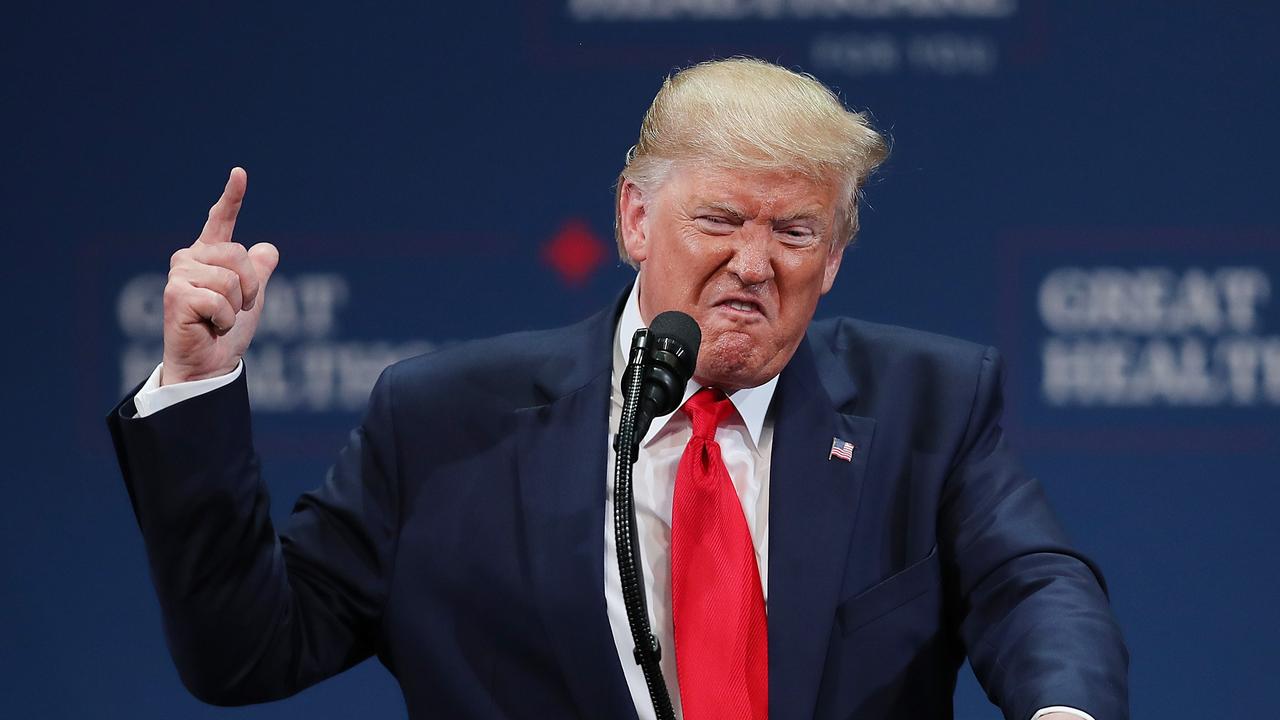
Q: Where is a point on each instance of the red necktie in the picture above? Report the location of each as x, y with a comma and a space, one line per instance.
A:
717, 604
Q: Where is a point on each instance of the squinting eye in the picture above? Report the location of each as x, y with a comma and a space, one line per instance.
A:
715, 223
799, 236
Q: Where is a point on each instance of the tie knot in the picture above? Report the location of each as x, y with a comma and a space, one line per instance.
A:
706, 410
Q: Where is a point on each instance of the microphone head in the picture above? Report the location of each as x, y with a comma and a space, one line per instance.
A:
680, 337
666, 355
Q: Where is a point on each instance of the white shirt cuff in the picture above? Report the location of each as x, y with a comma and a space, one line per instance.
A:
1062, 709
153, 397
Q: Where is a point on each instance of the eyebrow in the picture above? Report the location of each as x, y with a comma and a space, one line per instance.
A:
810, 215
724, 208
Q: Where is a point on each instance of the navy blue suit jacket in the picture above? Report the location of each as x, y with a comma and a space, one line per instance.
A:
459, 538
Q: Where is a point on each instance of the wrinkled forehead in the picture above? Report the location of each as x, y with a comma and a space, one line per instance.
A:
751, 191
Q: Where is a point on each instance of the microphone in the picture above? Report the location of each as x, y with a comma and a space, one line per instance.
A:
661, 361
670, 358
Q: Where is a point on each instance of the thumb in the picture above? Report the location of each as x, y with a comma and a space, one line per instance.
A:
264, 257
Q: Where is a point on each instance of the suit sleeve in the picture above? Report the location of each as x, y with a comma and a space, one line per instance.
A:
249, 615
1035, 617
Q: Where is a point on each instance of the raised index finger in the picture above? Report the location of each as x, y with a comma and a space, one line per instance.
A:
222, 216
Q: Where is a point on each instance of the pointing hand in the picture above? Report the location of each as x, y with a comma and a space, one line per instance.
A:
215, 293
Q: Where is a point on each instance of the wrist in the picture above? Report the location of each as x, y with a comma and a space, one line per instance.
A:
174, 373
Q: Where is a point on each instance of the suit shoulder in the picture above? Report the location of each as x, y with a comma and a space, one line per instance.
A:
893, 343
502, 372
888, 363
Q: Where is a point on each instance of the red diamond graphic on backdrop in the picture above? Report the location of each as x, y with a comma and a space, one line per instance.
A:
575, 252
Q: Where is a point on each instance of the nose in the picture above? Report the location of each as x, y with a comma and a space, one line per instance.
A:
751, 260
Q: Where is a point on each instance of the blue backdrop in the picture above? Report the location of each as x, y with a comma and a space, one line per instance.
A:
1089, 186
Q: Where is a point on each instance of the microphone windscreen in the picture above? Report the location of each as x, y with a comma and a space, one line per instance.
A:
679, 327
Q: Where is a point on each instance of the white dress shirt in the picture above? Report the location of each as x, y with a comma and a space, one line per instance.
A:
746, 444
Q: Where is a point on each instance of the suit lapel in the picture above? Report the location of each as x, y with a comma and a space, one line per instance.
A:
561, 458
813, 503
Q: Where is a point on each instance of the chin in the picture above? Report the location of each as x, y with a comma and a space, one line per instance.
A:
731, 361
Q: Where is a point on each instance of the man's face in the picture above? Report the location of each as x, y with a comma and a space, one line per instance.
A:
746, 253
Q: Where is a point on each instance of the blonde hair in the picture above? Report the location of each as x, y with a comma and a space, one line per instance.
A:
743, 113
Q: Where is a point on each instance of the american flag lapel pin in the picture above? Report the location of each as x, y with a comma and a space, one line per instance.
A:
842, 449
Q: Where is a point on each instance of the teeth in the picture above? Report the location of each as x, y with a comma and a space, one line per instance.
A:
743, 306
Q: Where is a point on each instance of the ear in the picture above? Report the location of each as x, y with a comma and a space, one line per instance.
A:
631, 221
832, 267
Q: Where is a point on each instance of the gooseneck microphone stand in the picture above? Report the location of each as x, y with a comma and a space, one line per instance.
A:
648, 652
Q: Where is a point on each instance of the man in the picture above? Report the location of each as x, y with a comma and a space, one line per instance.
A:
828, 525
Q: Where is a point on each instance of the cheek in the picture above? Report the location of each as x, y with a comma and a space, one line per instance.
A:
801, 281
799, 289
671, 246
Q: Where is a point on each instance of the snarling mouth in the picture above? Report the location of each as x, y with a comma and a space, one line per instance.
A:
742, 306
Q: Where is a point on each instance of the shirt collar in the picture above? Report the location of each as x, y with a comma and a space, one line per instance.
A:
752, 404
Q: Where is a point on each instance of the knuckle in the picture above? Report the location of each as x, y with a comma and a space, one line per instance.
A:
230, 252
172, 289
206, 304
173, 295
228, 319
230, 282
210, 305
